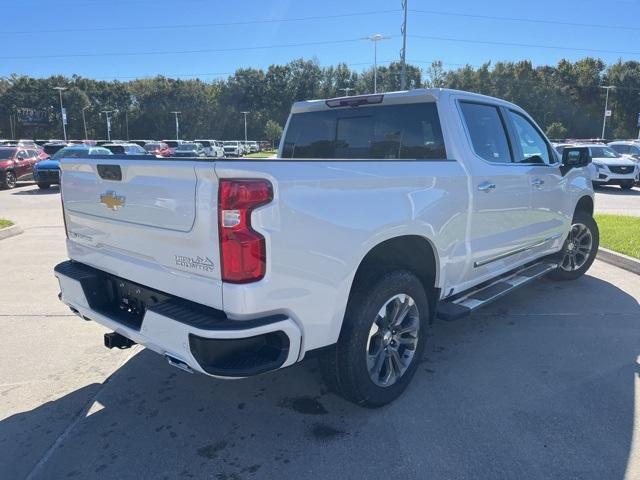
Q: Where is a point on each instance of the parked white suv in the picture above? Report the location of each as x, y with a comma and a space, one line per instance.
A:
381, 213
631, 150
611, 168
232, 148
212, 148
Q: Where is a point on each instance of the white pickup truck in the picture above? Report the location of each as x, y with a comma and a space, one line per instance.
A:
380, 214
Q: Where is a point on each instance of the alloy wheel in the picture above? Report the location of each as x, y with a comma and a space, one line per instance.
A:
10, 180
393, 339
577, 248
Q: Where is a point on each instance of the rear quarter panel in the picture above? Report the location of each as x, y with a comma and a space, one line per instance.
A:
326, 216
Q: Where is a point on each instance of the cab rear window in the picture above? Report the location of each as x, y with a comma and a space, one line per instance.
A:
378, 132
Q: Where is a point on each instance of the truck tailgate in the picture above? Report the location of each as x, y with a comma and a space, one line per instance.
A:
150, 221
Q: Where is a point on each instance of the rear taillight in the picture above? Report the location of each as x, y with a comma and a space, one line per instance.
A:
242, 249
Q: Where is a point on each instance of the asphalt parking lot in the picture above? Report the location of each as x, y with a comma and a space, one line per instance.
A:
542, 384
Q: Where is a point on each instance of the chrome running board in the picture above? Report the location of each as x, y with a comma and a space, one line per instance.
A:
464, 303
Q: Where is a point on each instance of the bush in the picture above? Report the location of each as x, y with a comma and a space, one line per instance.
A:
556, 130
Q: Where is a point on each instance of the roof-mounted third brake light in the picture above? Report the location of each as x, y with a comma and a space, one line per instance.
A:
354, 101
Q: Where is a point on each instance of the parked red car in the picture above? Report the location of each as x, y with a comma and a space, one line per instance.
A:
16, 164
42, 155
158, 148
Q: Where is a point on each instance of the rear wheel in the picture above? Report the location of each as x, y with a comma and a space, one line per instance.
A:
579, 249
44, 186
9, 180
381, 342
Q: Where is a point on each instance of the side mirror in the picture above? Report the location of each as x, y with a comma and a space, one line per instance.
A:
575, 157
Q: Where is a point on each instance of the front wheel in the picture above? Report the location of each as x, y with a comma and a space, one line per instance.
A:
44, 186
627, 185
579, 249
382, 340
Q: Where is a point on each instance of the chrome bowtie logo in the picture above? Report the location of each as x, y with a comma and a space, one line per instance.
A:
112, 201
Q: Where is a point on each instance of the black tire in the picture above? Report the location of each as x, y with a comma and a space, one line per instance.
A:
344, 368
627, 185
579, 218
9, 181
44, 186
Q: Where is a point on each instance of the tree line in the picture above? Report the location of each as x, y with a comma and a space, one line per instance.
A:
566, 99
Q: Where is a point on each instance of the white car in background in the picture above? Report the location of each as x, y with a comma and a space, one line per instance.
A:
212, 148
243, 147
611, 168
630, 149
233, 148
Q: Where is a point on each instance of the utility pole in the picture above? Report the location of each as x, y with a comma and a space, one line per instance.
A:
607, 113
63, 114
403, 64
346, 90
177, 125
84, 122
375, 39
245, 124
106, 113
126, 122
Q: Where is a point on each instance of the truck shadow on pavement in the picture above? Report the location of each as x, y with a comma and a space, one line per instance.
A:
540, 385
37, 191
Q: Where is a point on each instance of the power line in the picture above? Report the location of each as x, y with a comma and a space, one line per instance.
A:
199, 25
527, 20
318, 17
182, 52
304, 44
526, 45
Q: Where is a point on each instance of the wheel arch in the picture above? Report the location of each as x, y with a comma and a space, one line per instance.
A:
585, 204
414, 253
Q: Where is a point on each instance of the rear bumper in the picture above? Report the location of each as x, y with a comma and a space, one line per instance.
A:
201, 337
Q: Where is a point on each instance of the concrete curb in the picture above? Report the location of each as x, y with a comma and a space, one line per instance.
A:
620, 260
10, 231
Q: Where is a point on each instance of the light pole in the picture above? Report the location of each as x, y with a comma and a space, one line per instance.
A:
375, 39
106, 114
606, 109
403, 64
84, 122
63, 114
245, 124
177, 125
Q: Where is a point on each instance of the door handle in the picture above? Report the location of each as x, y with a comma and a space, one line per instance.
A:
486, 187
537, 182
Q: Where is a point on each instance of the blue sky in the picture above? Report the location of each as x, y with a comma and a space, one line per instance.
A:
44, 40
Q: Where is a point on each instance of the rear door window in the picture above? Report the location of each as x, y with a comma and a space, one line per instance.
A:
487, 132
382, 132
